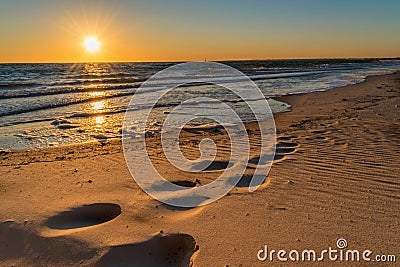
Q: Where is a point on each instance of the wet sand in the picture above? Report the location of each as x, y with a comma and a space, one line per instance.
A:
335, 175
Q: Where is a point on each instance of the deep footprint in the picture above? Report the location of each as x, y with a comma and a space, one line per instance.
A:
19, 244
260, 160
184, 183
160, 251
284, 150
84, 216
246, 179
216, 165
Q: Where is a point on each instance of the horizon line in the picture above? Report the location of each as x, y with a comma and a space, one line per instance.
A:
218, 60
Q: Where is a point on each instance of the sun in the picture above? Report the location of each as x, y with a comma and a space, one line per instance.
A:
92, 44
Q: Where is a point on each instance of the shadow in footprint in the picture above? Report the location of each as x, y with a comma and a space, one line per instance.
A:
278, 157
246, 179
263, 159
284, 150
17, 242
186, 202
281, 150
84, 216
184, 183
175, 208
215, 165
160, 251
165, 186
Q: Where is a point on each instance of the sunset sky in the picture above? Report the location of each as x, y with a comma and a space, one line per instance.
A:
177, 30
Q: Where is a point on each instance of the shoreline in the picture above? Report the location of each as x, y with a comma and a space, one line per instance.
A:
18, 136
286, 99
113, 140
335, 176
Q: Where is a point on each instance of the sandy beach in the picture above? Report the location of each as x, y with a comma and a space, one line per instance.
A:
335, 176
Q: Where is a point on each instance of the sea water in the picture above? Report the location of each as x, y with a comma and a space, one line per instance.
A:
44, 105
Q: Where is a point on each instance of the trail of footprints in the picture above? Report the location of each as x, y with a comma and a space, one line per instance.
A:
180, 249
165, 250
286, 146
161, 250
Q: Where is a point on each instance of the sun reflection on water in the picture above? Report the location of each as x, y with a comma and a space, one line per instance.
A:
96, 94
99, 119
94, 74
98, 106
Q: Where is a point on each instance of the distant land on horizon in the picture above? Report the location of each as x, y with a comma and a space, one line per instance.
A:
222, 60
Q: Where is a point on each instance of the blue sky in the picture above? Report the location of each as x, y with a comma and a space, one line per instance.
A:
191, 30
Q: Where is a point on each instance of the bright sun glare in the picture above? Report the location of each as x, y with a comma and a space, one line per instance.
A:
92, 44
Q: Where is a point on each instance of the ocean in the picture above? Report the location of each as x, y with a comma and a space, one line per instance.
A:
43, 105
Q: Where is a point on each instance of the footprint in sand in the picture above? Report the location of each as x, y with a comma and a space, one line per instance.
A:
318, 135
84, 216
164, 185
20, 246
185, 183
162, 250
246, 179
216, 165
284, 147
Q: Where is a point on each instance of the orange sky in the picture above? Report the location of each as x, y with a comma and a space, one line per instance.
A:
54, 31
